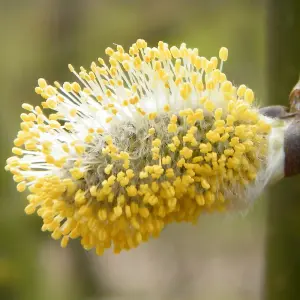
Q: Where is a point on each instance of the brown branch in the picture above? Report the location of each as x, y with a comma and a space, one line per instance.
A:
282, 273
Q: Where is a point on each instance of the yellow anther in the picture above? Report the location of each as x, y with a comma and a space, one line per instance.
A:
18, 178
230, 119
229, 152
64, 242
144, 212
27, 107
205, 184
213, 136
170, 173
249, 96
87, 91
151, 131
17, 151
200, 199
209, 197
173, 119
127, 211
224, 137
216, 75
214, 61
120, 49
131, 191
113, 62
197, 159
219, 123
130, 173
108, 169
157, 66
166, 160
209, 67
223, 54
93, 191
239, 148
118, 211
203, 100
31, 145
38, 90
175, 52
209, 105
76, 87
68, 126
79, 197
111, 180
185, 112
30, 209
167, 108
25, 117
99, 130
50, 90
204, 62
218, 113
152, 116
76, 173
126, 65
205, 148
54, 124
67, 86
89, 138
226, 87
186, 152
156, 143
18, 142
42, 83
241, 90
137, 62
102, 214
109, 51
233, 162
181, 163
71, 68
172, 128
143, 175
234, 141
124, 155
223, 77
210, 85
197, 62
108, 119
183, 50
172, 147
263, 127
185, 90
21, 186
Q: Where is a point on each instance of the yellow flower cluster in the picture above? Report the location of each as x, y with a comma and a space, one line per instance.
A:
157, 135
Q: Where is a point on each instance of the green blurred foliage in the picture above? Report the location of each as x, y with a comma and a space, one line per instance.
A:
39, 39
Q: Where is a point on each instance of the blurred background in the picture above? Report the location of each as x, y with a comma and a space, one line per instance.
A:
222, 257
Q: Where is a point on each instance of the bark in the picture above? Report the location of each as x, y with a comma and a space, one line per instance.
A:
282, 273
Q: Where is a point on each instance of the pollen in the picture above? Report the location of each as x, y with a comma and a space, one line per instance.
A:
144, 138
